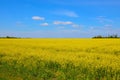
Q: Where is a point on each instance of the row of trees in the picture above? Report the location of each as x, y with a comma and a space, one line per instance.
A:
98, 36
9, 37
109, 36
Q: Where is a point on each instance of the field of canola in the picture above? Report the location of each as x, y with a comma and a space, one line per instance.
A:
59, 59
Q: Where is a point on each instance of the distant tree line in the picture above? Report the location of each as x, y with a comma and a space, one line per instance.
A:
109, 36
10, 37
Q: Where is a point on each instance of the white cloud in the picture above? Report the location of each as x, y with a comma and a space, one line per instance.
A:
62, 22
44, 24
67, 23
66, 13
38, 18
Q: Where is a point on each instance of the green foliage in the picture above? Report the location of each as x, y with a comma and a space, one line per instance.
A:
109, 36
9, 37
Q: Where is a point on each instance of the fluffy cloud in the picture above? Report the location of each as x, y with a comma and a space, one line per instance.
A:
44, 24
67, 23
62, 22
38, 18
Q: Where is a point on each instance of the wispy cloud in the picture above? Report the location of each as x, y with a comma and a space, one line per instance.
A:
103, 27
76, 26
108, 25
62, 22
103, 19
66, 13
61, 27
19, 23
38, 18
44, 24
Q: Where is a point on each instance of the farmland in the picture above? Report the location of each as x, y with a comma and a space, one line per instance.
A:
59, 59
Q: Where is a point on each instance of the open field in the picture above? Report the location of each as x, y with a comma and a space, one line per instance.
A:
59, 59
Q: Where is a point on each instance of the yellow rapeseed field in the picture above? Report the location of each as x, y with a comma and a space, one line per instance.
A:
59, 59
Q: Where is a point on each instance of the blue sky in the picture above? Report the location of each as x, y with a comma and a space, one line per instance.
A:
59, 18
